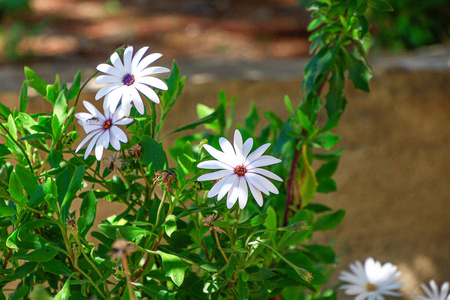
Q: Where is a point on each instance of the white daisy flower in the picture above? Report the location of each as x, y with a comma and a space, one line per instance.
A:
371, 281
125, 80
238, 170
102, 129
433, 292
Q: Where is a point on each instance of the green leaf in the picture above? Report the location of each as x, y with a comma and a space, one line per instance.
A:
170, 225
12, 127
75, 87
27, 179
253, 221
129, 233
206, 120
321, 253
39, 255
74, 186
23, 97
5, 210
15, 187
88, 210
173, 266
36, 82
242, 288
307, 180
56, 267
60, 108
329, 221
381, 5
327, 141
252, 119
359, 73
64, 293
4, 111
54, 158
153, 153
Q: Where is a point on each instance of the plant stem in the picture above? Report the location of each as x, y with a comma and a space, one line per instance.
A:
218, 244
127, 275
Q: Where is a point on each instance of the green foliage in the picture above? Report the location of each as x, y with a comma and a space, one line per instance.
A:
169, 241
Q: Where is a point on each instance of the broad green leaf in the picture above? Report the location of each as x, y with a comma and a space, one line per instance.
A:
5, 210
252, 118
75, 87
12, 127
39, 255
307, 180
36, 82
359, 73
27, 179
74, 186
170, 225
381, 5
15, 187
88, 210
153, 153
253, 222
4, 150
40, 293
271, 220
175, 85
56, 267
129, 233
60, 108
54, 158
327, 141
336, 101
4, 111
242, 288
329, 221
64, 293
21, 292
321, 253
23, 97
173, 266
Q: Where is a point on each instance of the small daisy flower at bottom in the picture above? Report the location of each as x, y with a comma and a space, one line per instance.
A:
433, 293
101, 129
372, 281
239, 170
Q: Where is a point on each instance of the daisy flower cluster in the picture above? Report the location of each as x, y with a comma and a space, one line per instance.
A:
374, 281
125, 82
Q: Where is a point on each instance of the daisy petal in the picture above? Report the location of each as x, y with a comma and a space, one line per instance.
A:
265, 173
153, 70
117, 63
148, 92
127, 56
147, 60
108, 69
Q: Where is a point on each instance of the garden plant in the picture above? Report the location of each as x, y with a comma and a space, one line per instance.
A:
226, 211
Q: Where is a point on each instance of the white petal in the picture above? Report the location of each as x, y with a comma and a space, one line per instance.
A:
91, 145
117, 63
137, 101
257, 153
127, 56
147, 60
137, 58
219, 155
86, 139
243, 192
114, 142
94, 111
227, 148
83, 116
247, 147
249, 177
148, 92
238, 144
118, 134
154, 82
107, 89
213, 164
108, 69
265, 173
265, 160
153, 70
227, 185
99, 152
123, 121
216, 188
233, 194
256, 194
104, 79
104, 139
112, 99
258, 181
215, 175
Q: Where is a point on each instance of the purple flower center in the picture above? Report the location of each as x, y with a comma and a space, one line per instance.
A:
107, 124
128, 79
240, 170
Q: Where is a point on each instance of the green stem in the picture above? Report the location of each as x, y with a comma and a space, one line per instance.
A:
88, 278
75, 235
